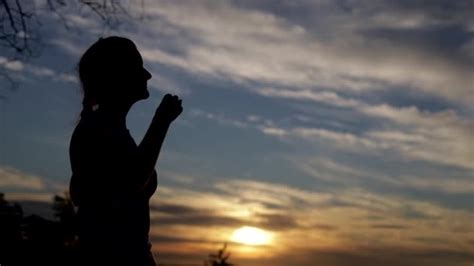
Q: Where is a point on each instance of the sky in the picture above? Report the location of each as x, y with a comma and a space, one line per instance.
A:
344, 129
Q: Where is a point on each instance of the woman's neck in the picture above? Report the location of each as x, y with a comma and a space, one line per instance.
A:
114, 115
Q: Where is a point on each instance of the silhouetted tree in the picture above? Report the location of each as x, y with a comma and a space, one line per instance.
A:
219, 259
65, 211
19, 20
34, 240
11, 237
20, 37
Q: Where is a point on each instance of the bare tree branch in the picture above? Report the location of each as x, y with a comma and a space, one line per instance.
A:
20, 22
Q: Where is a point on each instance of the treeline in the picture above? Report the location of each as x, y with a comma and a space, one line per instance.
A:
35, 240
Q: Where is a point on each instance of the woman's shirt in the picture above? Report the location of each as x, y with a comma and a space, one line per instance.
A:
113, 202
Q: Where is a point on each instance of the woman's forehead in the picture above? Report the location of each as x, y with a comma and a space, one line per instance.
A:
132, 56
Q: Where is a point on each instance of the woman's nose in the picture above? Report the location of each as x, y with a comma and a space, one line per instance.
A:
147, 74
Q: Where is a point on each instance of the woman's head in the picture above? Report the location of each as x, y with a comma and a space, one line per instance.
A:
111, 72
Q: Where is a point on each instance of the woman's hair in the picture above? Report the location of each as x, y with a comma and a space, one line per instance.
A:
101, 67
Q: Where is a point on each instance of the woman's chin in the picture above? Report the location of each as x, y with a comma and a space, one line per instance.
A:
144, 96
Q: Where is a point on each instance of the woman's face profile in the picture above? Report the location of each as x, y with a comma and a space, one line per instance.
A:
112, 73
133, 80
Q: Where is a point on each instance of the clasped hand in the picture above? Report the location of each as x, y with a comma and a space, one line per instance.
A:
169, 109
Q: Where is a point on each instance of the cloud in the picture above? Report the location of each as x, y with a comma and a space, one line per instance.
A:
14, 178
336, 172
33, 192
21, 185
19, 67
442, 137
277, 222
348, 198
167, 85
184, 215
273, 131
371, 256
257, 45
309, 95
13, 65
260, 45
175, 214
68, 46
415, 15
344, 60
219, 118
199, 220
173, 239
389, 226
453, 185
174, 209
343, 173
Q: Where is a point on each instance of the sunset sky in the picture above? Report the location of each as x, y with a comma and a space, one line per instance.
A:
343, 130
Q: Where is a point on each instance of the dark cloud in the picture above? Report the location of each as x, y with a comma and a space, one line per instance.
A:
428, 240
173, 209
458, 201
388, 226
205, 219
387, 256
176, 239
184, 215
264, 203
324, 227
277, 222
375, 218
166, 239
340, 203
411, 213
463, 228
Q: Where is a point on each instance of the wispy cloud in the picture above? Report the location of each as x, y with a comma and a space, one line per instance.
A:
13, 178
409, 132
259, 46
318, 216
356, 144
413, 132
19, 67
219, 118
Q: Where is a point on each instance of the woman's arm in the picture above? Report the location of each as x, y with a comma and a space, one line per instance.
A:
151, 185
150, 147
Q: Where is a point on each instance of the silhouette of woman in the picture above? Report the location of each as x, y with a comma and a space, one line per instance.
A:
112, 177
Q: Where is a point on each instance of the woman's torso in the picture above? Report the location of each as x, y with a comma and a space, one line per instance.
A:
113, 213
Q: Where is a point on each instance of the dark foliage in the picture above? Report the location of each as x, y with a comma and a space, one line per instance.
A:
33, 240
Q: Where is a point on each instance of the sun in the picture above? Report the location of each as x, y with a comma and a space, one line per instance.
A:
251, 236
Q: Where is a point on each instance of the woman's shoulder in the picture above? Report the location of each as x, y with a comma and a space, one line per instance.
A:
85, 127
85, 131
92, 129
